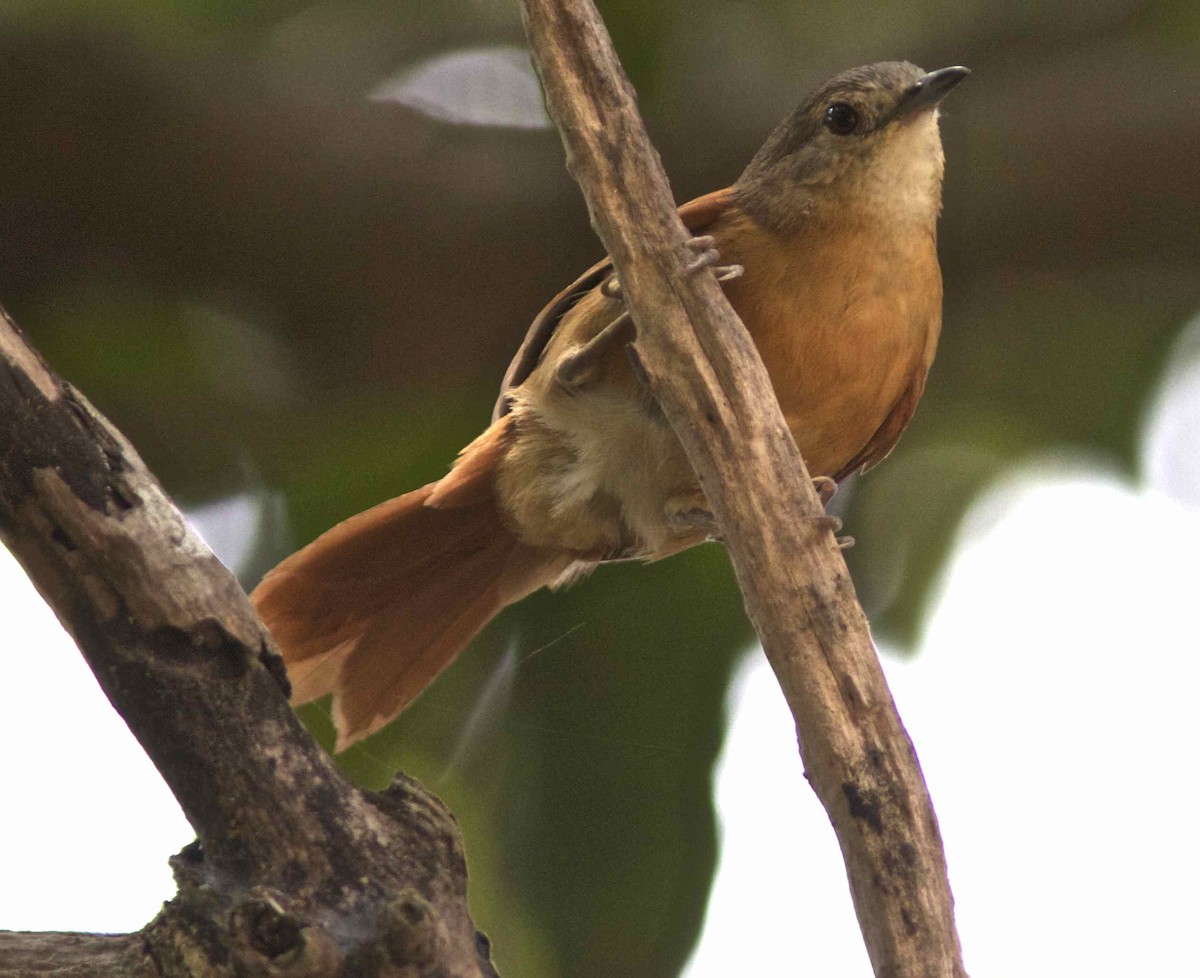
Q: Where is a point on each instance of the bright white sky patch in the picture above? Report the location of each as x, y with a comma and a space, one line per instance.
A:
89, 796
87, 824
1053, 707
780, 903
230, 526
1172, 444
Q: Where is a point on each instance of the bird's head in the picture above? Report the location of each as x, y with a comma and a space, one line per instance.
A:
863, 146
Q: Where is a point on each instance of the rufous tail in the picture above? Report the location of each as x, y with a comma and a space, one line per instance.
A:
375, 608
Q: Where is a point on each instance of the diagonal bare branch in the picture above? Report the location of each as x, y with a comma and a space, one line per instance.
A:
705, 372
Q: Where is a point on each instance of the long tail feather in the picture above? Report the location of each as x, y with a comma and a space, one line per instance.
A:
375, 608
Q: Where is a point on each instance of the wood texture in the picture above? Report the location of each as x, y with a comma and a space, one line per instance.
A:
67, 955
295, 870
701, 365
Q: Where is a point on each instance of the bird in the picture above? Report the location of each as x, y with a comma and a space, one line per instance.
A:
827, 249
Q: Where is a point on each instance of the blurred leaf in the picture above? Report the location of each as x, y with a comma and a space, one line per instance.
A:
479, 86
185, 381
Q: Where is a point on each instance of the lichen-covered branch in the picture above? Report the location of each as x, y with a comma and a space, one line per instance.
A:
701, 365
294, 865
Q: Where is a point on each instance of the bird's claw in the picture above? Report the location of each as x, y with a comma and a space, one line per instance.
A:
707, 257
826, 488
827, 522
706, 254
833, 524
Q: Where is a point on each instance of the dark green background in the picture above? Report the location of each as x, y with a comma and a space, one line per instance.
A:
275, 285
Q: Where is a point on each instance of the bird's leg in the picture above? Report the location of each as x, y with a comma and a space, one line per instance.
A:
572, 370
707, 256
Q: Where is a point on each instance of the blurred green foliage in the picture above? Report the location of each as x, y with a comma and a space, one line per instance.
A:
275, 285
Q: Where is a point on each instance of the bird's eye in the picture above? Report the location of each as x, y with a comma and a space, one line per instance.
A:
841, 118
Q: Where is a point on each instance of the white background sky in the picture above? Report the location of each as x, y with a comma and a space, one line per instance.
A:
1052, 704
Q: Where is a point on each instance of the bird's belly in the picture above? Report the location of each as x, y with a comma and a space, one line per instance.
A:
594, 473
840, 350
837, 394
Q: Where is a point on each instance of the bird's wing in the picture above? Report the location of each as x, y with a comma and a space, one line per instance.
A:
888, 433
696, 215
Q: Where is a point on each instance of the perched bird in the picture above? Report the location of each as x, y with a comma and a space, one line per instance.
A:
829, 240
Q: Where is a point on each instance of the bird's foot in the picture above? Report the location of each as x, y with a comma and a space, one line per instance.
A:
574, 370
689, 513
833, 524
707, 256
